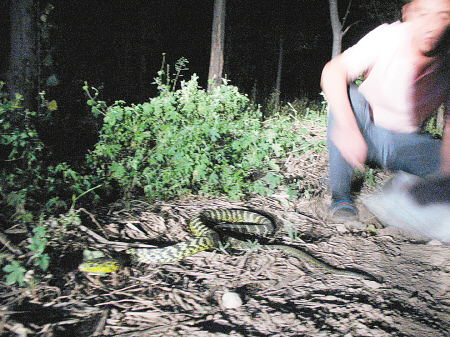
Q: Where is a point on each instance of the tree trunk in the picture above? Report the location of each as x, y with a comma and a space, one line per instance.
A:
217, 44
23, 65
279, 72
337, 28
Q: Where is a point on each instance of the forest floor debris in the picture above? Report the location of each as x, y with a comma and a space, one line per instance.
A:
281, 295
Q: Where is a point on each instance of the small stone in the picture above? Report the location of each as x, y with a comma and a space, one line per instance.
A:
372, 284
231, 300
434, 242
341, 228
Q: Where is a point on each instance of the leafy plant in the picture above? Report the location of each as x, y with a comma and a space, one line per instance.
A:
29, 185
164, 81
20, 150
37, 246
15, 273
188, 141
435, 125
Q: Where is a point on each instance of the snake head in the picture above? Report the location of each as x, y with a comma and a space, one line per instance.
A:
100, 266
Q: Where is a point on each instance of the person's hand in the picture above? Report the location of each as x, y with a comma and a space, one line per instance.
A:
351, 145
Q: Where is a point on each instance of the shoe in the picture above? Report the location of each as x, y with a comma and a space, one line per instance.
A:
342, 211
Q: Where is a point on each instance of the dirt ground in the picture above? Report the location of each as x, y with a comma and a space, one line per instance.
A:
282, 296
407, 293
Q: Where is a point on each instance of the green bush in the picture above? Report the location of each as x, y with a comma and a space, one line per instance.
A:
21, 151
188, 141
29, 184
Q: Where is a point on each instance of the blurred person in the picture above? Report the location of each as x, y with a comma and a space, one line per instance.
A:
406, 71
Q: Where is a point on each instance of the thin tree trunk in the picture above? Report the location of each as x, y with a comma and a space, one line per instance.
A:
23, 65
279, 72
337, 27
217, 45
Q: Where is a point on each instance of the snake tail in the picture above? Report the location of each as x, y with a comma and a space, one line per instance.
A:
316, 263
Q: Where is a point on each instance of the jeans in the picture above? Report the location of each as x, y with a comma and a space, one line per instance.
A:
416, 153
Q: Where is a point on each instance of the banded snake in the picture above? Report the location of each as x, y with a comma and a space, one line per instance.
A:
209, 227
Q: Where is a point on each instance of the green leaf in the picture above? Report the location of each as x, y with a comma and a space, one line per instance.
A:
304, 131
273, 165
214, 134
272, 179
292, 193
40, 231
42, 261
38, 241
277, 149
16, 273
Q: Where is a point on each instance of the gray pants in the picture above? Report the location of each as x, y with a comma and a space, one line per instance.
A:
416, 153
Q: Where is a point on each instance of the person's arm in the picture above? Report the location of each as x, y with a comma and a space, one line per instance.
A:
345, 134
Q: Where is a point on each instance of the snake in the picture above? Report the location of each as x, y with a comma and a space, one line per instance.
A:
213, 228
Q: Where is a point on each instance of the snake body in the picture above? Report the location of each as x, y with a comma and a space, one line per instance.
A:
209, 227
238, 221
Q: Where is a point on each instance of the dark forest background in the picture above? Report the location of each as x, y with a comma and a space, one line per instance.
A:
118, 46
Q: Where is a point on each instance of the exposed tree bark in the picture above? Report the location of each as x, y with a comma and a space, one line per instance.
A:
217, 45
23, 65
338, 26
279, 72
